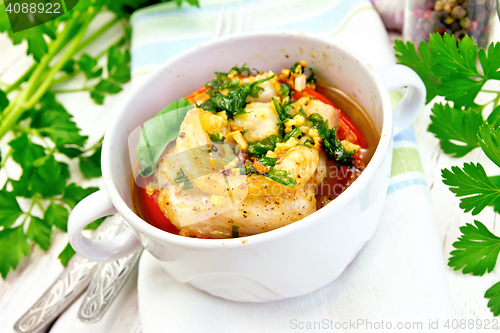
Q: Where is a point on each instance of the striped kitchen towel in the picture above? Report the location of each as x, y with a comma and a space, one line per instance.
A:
397, 280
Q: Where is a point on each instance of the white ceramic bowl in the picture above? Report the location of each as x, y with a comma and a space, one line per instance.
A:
286, 262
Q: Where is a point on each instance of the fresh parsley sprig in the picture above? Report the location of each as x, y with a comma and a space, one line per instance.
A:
450, 70
39, 134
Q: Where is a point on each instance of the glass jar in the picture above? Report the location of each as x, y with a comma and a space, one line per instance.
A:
455, 17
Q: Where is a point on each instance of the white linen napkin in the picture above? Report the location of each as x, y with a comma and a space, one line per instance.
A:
397, 282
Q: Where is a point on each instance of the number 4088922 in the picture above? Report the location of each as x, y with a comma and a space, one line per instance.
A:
47, 8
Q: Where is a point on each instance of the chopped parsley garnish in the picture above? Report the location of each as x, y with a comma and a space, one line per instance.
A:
244, 70
285, 90
222, 81
217, 137
312, 77
280, 176
260, 148
181, 178
235, 231
292, 134
331, 144
284, 111
295, 68
235, 101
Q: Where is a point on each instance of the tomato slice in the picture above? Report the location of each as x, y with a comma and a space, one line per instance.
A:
151, 212
192, 96
347, 129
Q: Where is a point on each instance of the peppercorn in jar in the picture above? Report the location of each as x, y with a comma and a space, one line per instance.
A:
454, 17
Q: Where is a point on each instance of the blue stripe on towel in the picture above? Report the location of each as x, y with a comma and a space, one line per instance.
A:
406, 183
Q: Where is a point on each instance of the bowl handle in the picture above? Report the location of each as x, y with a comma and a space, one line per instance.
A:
91, 208
398, 76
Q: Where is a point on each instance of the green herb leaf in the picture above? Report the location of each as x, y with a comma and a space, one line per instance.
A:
285, 90
74, 194
50, 172
95, 224
57, 215
181, 178
88, 65
311, 79
296, 132
39, 232
158, 132
257, 149
420, 62
452, 126
9, 208
4, 102
53, 121
66, 255
476, 250
235, 101
13, 246
119, 65
25, 152
494, 295
494, 117
217, 137
473, 184
267, 161
235, 231
243, 70
281, 176
91, 165
489, 139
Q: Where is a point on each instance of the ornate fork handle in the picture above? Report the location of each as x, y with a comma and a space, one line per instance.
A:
106, 283
68, 286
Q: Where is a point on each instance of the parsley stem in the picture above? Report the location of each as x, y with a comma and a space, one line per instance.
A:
23, 78
65, 58
67, 91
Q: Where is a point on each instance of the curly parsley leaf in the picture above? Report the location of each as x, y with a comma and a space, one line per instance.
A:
91, 165
489, 139
455, 128
494, 295
57, 215
450, 71
88, 65
74, 194
119, 65
13, 246
53, 121
476, 250
420, 62
9, 208
473, 184
66, 255
39, 232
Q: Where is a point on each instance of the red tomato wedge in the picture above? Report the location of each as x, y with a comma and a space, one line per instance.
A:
347, 129
192, 96
150, 211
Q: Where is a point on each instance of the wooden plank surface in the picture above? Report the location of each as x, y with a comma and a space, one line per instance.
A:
36, 272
